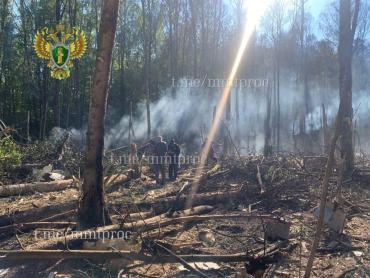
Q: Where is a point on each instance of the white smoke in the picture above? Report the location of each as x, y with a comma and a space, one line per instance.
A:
189, 113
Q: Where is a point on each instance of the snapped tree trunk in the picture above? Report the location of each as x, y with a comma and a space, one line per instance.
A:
92, 211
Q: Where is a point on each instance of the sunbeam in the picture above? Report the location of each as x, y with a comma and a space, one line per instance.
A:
255, 10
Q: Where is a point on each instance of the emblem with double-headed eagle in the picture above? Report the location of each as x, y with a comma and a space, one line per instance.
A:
60, 47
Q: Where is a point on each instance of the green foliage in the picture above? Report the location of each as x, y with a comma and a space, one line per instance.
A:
194, 39
9, 152
270, 173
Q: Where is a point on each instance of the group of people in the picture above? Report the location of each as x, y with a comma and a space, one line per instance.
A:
171, 151
163, 154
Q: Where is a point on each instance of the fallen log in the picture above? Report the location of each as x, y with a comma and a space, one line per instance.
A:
46, 222
111, 180
100, 255
210, 174
144, 226
15, 255
25, 188
43, 213
183, 262
157, 206
59, 215
52, 212
181, 191
6, 230
38, 214
366, 239
138, 227
345, 272
178, 202
10, 258
112, 183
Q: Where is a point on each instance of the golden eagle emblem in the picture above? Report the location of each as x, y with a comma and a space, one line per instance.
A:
60, 47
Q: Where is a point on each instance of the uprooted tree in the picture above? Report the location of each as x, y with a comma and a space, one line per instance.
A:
92, 210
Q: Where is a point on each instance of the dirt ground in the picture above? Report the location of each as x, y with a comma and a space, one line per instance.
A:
291, 186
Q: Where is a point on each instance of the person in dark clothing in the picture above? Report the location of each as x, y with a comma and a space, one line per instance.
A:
160, 150
173, 153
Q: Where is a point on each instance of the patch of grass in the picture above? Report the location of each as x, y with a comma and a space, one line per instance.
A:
9, 152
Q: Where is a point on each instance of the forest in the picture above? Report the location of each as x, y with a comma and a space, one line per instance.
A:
184, 138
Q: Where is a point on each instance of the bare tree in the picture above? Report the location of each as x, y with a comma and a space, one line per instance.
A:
267, 150
274, 27
194, 19
347, 29
344, 117
303, 67
92, 210
147, 26
57, 83
329, 22
173, 8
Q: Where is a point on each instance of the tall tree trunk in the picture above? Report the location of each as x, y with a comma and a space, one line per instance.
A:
226, 146
121, 55
193, 9
273, 101
3, 22
74, 80
346, 36
203, 39
171, 42
146, 29
325, 129
278, 102
267, 150
174, 7
344, 117
237, 116
303, 73
92, 210
323, 199
57, 83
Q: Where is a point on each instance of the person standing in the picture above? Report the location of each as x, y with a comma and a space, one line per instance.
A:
160, 151
173, 153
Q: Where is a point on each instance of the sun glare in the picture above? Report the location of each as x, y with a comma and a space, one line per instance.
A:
254, 11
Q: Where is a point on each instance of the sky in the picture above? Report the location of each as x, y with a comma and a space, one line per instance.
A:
313, 7
316, 7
